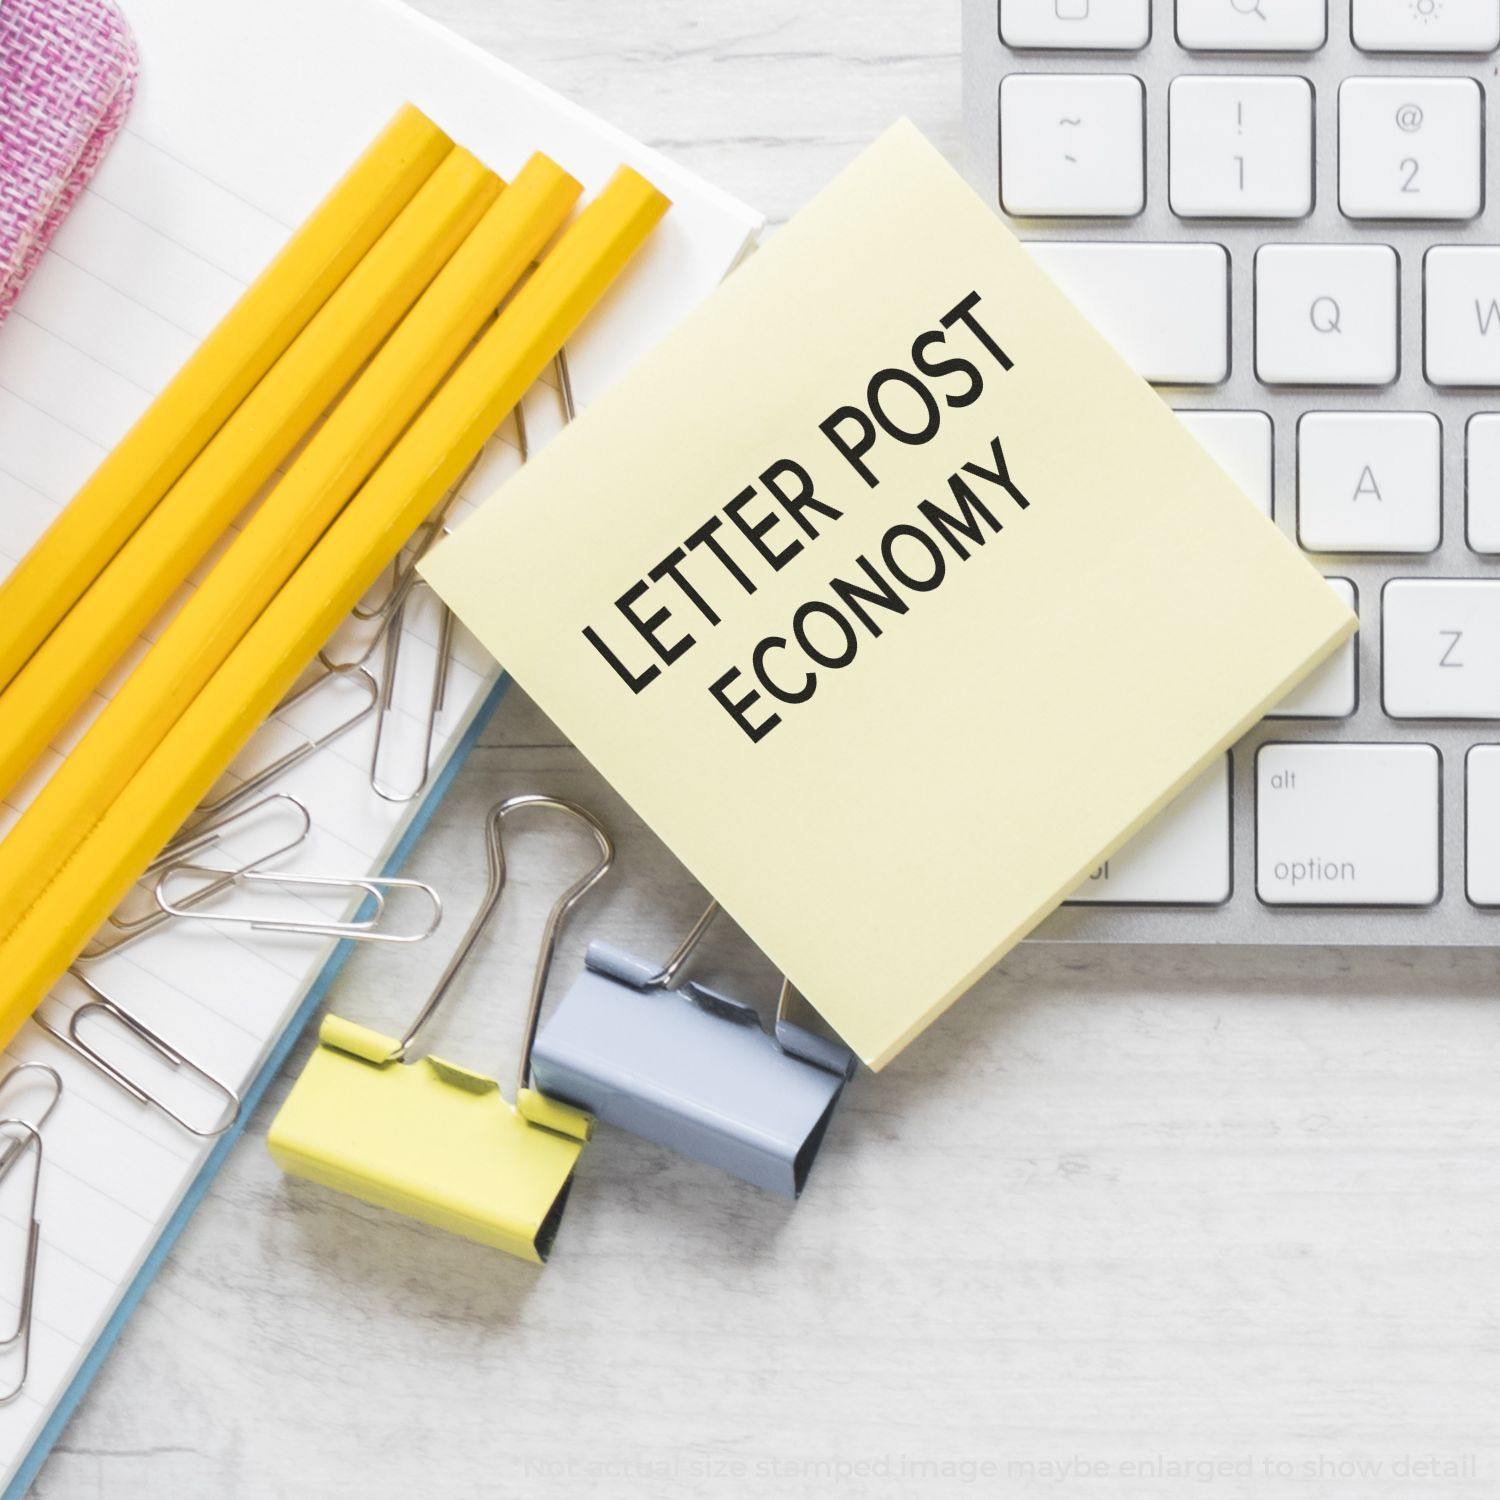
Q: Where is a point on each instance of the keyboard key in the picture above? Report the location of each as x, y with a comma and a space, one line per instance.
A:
1427, 25
1240, 443
1241, 148
1164, 307
1347, 825
1482, 824
1326, 314
1182, 857
1252, 25
1103, 25
1369, 482
1440, 642
1332, 692
1411, 148
1072, 144
1463, 315
1482, 442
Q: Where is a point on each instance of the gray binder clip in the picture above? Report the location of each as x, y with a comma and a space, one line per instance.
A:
691, 1068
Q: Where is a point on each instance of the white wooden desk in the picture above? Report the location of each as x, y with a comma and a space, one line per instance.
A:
1147, 1209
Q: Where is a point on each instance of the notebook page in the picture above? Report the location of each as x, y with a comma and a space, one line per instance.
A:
244, 117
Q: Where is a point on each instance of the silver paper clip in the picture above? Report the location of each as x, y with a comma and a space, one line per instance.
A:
565, 393
390, 620
391, 614
26, 1137
12, 1148
364, 927
691, 1068
178, 1061
403, 576
125, 929
311, 744
436, 695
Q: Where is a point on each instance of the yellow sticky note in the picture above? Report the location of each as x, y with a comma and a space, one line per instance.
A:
889, 596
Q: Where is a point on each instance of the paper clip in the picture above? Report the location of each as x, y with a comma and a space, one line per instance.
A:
404, 576
13, 1147
564, 391
392, 616
104, 1006
29, 1138
19, 1136
364, 927
311, 744
431, 1139
124, 929
691, 1068
436, 696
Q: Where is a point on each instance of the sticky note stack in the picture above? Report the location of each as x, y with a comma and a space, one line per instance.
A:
889, 596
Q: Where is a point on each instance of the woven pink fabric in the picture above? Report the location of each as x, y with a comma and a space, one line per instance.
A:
67, 74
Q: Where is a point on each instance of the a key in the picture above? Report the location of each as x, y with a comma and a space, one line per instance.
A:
1411, 148
1072, 144
1482, 824
1440, 644
1332, 691
1347, 825
1164, 307
1369, 482
1326, 314
1482, 444
1182, 856
1426, 25
1240, 443
1241, 148
1251, 25
1100, 25
1463, 315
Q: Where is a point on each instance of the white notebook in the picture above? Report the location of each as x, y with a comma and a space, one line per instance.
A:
245, 116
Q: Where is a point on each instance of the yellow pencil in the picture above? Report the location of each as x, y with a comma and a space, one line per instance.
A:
60, 916
266, 426
226, 367
359, 430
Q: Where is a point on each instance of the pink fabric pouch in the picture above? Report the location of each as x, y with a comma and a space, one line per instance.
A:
67, 75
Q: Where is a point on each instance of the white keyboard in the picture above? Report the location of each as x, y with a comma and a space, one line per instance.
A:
1280, 212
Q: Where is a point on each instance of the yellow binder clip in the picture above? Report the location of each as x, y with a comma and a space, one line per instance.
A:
433, 1140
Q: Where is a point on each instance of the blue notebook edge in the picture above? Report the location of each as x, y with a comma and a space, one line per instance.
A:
252, 1096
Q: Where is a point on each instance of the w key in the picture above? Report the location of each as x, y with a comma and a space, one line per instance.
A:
1441, 647
1463, 315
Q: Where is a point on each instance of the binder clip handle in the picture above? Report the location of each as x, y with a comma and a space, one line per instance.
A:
495, 852
794, 1038
666, 977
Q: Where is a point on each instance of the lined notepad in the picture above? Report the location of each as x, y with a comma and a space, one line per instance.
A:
243, 118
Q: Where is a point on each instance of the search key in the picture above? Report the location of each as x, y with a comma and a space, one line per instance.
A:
1252, 25
1326, 314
